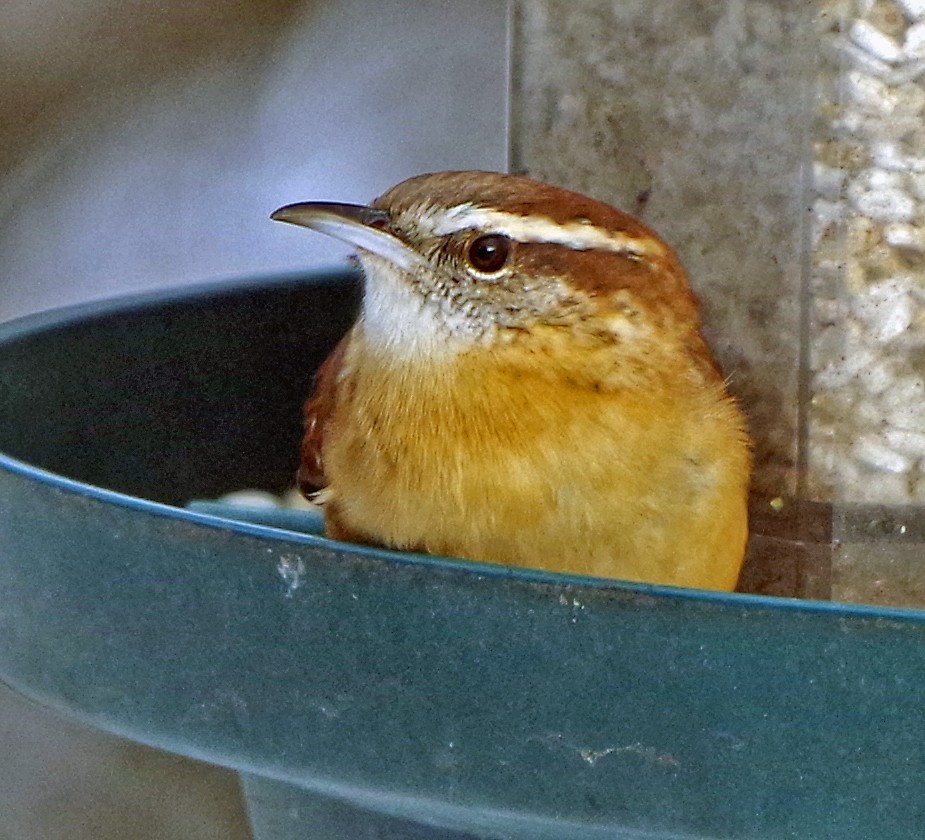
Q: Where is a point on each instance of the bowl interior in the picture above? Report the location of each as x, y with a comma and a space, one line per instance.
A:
171, 401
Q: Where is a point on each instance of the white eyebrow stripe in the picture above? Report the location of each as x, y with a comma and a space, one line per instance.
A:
576, 235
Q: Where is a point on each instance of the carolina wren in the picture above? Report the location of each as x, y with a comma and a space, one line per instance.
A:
526, 384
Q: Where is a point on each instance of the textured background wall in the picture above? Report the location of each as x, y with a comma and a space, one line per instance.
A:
696, 115
780, 148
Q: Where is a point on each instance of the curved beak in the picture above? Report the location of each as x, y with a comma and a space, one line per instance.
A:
364, 227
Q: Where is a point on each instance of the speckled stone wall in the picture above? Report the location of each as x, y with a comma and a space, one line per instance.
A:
780, 148
697, 118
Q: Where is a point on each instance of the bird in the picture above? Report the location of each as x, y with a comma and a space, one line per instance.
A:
526, 384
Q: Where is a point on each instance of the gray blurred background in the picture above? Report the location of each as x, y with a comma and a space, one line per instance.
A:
143, 146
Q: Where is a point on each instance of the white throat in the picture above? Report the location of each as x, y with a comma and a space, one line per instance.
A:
404, 323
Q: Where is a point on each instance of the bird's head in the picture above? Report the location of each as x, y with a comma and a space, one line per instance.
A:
458, 259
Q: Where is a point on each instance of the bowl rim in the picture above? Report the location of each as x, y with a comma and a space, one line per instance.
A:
68, 315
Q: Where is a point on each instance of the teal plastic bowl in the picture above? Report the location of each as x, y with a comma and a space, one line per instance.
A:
366, 693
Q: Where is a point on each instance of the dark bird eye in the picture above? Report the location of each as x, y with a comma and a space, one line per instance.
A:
488, 254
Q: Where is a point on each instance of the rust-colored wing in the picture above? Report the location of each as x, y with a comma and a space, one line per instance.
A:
318, 410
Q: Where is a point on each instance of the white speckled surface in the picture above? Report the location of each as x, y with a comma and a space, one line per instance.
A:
867, 413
